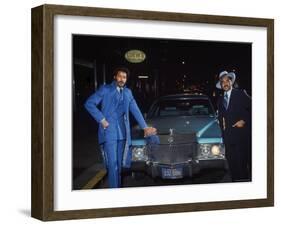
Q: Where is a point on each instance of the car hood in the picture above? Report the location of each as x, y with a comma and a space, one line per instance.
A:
202, 126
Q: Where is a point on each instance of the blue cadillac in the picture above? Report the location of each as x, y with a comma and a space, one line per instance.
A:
189, 135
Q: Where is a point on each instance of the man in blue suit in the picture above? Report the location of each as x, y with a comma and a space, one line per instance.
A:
234, 114
114, 136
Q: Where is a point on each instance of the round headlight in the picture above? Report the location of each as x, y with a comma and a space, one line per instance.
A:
215, 150
205, 149
139, 154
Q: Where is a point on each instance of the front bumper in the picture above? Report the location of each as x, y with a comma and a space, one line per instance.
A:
179, 170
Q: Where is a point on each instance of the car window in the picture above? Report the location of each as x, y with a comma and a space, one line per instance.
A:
178, 107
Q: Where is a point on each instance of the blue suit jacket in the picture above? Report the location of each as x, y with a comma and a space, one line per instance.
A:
105, 96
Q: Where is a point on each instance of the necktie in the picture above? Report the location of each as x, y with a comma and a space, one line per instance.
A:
225, 101
120, 91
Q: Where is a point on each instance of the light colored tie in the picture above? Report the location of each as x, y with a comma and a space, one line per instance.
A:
120, 91
225, 101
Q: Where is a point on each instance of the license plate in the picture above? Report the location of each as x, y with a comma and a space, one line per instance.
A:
172, 173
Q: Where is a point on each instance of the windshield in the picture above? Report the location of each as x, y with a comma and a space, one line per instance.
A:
181, 107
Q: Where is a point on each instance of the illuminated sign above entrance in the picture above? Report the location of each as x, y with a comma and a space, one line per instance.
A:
135, 56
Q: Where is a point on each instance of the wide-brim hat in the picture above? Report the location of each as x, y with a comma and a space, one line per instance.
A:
231, 75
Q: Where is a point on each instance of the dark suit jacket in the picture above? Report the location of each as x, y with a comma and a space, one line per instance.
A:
239, 108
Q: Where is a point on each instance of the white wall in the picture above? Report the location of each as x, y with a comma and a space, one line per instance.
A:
15, 111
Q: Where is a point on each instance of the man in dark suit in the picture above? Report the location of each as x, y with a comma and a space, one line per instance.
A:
234, 114
113, 118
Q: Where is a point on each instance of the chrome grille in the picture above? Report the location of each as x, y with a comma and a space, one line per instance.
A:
171, 153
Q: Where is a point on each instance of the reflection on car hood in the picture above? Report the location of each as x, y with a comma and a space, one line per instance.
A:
203, 126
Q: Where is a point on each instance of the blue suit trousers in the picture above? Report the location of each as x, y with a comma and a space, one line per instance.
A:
113, 151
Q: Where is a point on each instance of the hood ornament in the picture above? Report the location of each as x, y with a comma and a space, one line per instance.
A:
171, 132
171, 138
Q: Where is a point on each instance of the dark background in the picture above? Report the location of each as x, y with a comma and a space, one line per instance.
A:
172, 66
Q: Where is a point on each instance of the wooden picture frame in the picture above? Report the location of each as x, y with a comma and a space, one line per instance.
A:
43, 112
